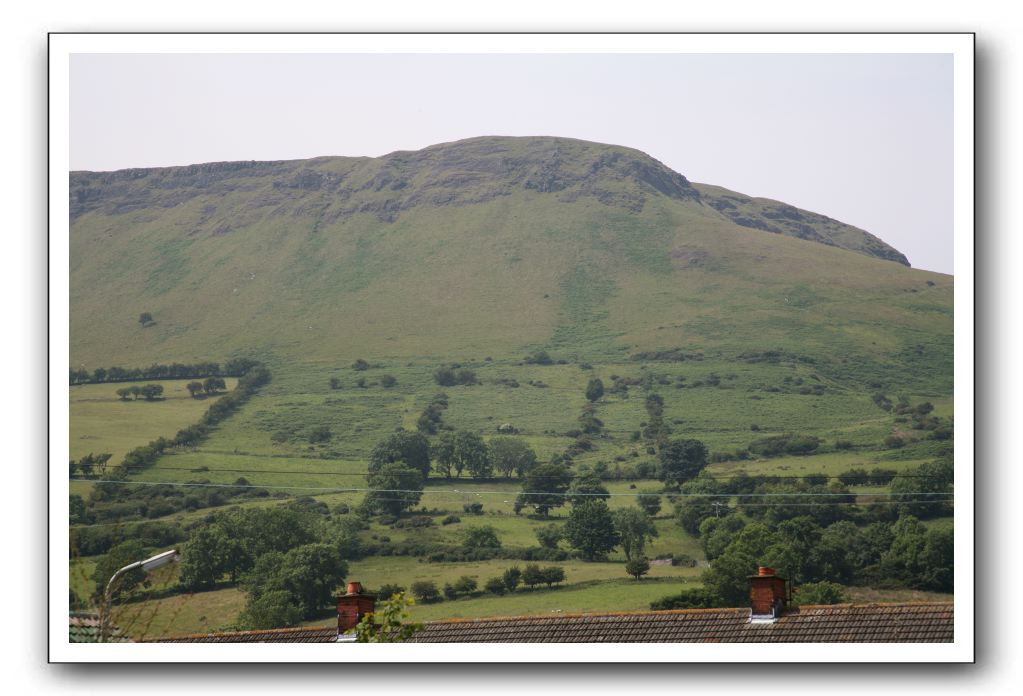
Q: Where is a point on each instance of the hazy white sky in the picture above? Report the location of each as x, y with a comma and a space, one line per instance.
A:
865, 139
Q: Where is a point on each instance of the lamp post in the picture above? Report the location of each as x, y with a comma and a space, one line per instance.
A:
157, 561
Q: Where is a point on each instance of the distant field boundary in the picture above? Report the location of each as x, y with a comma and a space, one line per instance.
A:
236, 367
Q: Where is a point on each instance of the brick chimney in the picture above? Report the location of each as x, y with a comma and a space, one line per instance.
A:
768, 593
352, 606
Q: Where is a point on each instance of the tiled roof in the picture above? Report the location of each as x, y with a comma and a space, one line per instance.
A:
84, 628
842, 623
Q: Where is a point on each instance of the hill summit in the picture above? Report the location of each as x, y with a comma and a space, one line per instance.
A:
491, 245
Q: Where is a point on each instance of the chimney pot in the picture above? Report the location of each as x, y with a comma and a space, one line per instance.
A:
763, 570
356, 587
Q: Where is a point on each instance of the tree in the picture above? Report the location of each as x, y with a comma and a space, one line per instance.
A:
700, 500
194, 389
117, 557
544, 488
480, 538
388, 381
594, 389
335, 382
823, 592
319, 433
549, 535
587, 486
552, 575
681, 461
359, 365
213, 384
425, 591
634, 528
444, 454
511, 454
496, 586
591, 530
649, 501
410, 449
151, 391
637, 567
203, 563
472, 453
309, 574
532, 576
145, 318
272, 609
389, 623
512, 577
394, 489
124, 393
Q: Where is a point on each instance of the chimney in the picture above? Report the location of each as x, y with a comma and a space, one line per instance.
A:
768, 594
352, 606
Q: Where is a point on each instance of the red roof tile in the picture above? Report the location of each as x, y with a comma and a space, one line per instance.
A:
844, 623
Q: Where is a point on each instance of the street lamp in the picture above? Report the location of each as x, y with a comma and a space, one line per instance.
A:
150, 564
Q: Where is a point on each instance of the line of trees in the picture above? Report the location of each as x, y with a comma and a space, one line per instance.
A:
150, 392
235, 367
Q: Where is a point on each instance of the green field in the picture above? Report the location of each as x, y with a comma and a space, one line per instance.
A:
479, 254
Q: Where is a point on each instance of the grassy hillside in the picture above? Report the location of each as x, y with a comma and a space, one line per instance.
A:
749, 318
488, 247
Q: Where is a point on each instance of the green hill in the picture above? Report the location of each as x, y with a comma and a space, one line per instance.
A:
485, 247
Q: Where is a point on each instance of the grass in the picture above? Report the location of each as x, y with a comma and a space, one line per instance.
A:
284, 274
101, 422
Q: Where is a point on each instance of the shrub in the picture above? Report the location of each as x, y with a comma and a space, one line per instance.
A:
473, 508
881, 477
854, 477
495, 586
694, 598
425, 591
894, 442
387, 591
637, 567
451, 519
481, 538
388, 381
360, 365
540, 357
511, 578
823, 592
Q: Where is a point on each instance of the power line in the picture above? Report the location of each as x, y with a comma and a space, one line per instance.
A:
363, 474
502, 493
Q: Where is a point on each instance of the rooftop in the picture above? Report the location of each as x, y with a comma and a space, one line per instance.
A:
839, 623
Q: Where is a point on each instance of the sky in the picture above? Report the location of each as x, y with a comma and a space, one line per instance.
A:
863, 138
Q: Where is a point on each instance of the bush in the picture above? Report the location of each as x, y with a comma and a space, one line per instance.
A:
360, 365
823, 592
388, 381
425, 591
511, 578
481, 538
695, 598
387, 591
473, 508
854, 477
495, 586
637, 567
451, 519
894, 442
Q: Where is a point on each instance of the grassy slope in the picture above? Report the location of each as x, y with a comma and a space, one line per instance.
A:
272, 274
285, 276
